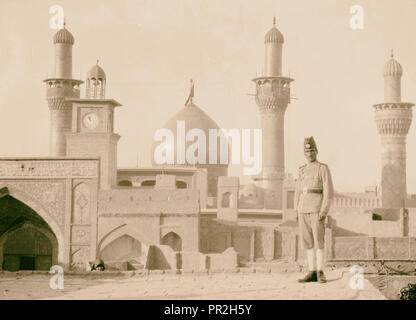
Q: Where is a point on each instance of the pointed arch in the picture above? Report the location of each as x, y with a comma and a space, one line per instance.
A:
36, 206
173, 240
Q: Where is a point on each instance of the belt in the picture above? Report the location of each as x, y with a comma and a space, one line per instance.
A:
306, 190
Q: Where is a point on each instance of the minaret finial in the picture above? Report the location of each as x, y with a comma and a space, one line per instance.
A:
189, 101
274, 21
64, 22
392, 54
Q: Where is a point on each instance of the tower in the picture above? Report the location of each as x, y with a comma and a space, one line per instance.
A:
393, 119
59, 88
96, 82
92, 133
272, 98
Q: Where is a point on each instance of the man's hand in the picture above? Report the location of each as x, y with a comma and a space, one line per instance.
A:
322, 216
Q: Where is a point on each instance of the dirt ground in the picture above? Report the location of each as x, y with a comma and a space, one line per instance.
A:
219, 286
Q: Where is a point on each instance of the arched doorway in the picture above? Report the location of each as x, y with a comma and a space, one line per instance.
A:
26, 240
124, 248
227, 200
172, 240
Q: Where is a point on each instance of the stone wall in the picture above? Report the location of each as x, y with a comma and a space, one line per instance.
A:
148, 215
372, 248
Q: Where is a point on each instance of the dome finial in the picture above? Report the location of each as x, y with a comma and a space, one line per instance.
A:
274, 21
98, 61
189, 101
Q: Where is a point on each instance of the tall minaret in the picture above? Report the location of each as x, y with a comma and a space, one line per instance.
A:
59, 88
272, 97
393, 119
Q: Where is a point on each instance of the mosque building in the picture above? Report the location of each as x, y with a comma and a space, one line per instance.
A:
77, 205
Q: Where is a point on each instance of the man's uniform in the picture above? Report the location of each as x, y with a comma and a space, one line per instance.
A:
313, 195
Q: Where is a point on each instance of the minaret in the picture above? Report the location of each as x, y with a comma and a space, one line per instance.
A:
58, 88
393, 119
272, 98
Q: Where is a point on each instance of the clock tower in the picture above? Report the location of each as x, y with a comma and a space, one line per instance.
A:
93, 127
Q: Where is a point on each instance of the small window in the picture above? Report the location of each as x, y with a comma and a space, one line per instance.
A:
181, 185
125, 183
227, 200
148, 183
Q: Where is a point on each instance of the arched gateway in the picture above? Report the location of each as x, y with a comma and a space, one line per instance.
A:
27, 241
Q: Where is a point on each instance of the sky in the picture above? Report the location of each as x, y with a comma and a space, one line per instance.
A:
151, 49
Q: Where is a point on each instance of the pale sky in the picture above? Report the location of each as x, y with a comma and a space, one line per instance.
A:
150, 49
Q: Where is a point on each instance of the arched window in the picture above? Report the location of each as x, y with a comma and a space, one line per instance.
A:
125, 183
181, 185
227, 200
148, 183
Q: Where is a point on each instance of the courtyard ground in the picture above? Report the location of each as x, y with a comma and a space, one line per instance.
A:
244, 284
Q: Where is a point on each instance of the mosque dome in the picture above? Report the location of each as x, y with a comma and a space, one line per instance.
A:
63, 36
274, 35
194, 118
96, 72
392, 68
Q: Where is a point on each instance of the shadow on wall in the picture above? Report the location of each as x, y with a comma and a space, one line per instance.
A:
161, 257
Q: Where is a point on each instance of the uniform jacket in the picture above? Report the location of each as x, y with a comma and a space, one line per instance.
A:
314, 175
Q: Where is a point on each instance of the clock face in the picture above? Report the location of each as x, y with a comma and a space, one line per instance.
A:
91, 121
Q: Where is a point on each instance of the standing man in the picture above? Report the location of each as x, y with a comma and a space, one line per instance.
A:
313, 196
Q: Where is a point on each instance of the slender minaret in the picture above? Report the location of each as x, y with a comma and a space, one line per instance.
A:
393, 119
272, 98
59, 88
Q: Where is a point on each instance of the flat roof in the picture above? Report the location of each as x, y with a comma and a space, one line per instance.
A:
114, 102
48, 158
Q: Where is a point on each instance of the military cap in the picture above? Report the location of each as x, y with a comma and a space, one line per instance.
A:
310, 144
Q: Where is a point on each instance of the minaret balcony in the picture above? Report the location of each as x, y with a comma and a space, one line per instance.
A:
273, 92
63, 87
393, 119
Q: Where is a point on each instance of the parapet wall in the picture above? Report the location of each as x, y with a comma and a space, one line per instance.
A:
124, 201
361, 201
372, 248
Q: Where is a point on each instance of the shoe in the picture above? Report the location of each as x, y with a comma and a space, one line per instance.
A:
310, 277
321, 277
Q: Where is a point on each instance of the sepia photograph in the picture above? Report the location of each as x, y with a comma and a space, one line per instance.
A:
219, 151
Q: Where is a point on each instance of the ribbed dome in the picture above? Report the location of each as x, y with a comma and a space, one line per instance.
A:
195, 118
63, 36
274, 35
96, 72
392, 68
